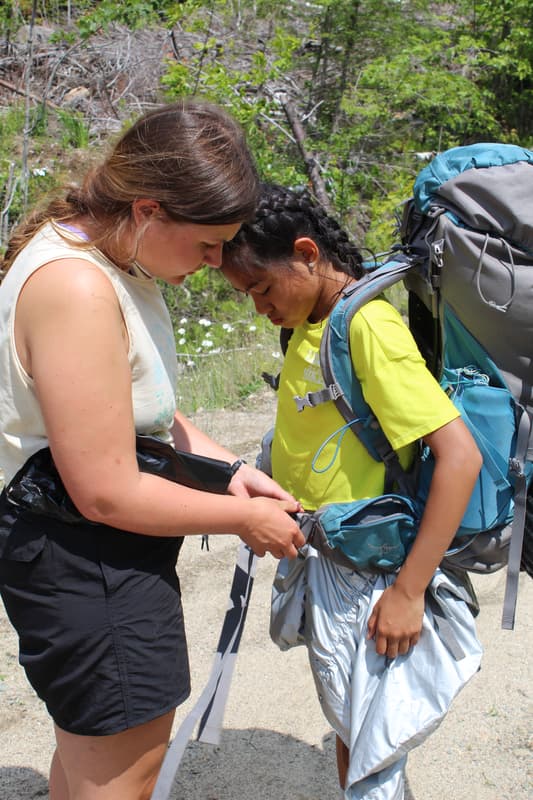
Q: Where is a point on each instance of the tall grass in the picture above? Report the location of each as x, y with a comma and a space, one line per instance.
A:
225, 379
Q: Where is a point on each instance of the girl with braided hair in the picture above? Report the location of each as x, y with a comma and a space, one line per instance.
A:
87, 366
375, 652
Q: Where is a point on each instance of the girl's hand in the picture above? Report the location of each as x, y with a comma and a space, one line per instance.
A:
396, 621
251, 482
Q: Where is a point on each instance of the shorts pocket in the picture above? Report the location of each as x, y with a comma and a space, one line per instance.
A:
22, 536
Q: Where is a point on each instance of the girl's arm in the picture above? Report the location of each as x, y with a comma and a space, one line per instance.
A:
72, 340
396, 620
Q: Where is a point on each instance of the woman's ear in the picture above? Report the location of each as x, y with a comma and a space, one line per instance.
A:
144, 209
306, 250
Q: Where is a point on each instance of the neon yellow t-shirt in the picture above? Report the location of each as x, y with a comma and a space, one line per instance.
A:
396, 384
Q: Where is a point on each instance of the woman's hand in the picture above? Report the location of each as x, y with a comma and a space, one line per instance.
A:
270, 529
251, 482
396, 621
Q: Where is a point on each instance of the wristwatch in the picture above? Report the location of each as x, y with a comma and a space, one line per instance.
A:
235, 466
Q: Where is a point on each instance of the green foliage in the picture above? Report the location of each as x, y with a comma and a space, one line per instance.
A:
74, 129
208, 314
39, 178
413, 99
377, 85
132, 14
11, 124
225, 379
502, 37
204, 74
379, 81
10, 18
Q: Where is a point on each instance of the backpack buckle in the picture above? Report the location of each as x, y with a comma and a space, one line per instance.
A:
437, 253
312, 399
516, 466
303, 402
335, 391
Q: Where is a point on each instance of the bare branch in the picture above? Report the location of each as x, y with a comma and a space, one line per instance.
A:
276, 124
10, 189
310, 161
16, 90
28, 68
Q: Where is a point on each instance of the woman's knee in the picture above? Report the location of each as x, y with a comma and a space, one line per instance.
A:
119, 765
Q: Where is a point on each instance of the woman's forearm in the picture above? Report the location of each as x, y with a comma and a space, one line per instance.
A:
191, 439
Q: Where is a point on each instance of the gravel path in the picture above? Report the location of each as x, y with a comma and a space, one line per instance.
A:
275, 742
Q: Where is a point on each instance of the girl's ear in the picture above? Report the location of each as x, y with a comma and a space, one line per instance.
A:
305, 249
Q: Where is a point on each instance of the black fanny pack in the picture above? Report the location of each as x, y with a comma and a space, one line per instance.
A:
38, 488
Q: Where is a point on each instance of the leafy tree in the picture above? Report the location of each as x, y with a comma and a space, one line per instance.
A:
501, 35
133, 14
341, 95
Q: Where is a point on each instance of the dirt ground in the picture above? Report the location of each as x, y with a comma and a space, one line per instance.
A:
275, 742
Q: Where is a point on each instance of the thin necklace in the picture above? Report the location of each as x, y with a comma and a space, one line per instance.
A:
348, 280
142, 269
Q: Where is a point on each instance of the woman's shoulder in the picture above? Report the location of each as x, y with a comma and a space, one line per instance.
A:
66, 290
48, 245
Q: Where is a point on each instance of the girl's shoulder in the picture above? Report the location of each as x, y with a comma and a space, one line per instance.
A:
379, 327
380, 309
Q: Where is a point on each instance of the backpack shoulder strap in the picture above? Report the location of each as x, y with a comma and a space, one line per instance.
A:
341, 383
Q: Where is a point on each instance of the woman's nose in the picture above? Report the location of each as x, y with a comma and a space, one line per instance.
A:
213, 256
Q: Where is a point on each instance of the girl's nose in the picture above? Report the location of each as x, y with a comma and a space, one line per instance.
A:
262, 305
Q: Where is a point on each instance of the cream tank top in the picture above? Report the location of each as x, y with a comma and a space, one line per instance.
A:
152, 352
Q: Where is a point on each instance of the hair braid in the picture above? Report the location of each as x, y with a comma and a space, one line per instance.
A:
282, 216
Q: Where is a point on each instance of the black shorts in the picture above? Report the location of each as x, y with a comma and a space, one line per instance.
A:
100, 622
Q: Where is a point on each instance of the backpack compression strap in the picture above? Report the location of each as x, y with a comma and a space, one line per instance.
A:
209, 707
518, 523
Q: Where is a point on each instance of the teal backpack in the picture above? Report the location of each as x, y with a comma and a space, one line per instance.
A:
466, 260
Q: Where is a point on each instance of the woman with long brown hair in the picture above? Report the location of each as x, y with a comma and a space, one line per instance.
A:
87, 363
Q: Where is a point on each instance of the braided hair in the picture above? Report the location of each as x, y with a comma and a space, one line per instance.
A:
283, 215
